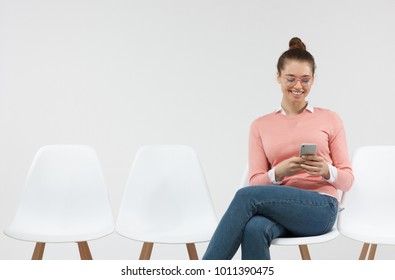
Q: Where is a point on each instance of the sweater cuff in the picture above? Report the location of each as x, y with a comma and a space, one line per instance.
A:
272, 177
332, 173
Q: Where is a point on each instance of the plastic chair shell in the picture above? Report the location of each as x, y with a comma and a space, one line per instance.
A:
369, 207
65, 198
166, 199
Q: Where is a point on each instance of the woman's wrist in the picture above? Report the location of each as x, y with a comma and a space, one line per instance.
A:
326, 176
272, 177
278, 176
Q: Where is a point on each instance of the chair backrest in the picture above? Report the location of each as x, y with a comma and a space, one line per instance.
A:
65, 198
245, 178
369, 207
166, 198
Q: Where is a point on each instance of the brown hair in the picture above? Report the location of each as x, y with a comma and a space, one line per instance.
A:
297, 51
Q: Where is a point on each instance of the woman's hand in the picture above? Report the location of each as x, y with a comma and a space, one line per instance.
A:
316, 166
289, 167
313, 165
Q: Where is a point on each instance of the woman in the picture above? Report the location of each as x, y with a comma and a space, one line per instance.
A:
289, 195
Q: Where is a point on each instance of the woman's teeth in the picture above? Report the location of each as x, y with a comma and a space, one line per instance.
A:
297, 92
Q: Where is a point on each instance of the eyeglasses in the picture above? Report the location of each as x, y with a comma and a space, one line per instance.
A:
304, 81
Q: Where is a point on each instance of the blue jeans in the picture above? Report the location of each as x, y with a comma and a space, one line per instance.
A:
259, 214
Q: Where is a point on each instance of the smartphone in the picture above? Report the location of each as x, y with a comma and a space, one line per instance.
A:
308, 149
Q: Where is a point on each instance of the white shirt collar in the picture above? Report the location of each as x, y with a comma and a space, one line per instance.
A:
309, 107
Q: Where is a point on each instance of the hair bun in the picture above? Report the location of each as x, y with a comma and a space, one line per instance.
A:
296, 43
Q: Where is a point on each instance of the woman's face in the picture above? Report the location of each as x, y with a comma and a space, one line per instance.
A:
296, 80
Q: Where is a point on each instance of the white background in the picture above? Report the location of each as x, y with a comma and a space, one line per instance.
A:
119, 74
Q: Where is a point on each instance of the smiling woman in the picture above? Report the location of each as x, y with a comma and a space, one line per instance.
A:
289, 194
295, 74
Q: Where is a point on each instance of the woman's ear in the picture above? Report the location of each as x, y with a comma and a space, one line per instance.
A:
278, 78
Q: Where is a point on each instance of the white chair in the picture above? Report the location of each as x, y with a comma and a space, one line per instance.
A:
301, 242
64, 200
166, 200
369, 206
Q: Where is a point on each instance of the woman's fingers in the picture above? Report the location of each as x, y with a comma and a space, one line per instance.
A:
315, 165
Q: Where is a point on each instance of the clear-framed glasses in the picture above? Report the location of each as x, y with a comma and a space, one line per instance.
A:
292, 80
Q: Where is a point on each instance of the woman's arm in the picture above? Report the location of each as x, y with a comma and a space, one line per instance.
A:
340, 158
317, 166
257, 160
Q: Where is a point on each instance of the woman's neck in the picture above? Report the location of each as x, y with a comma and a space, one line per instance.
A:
294, 108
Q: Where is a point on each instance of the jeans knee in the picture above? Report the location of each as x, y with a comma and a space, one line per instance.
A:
244, 193
253, 227
258, 227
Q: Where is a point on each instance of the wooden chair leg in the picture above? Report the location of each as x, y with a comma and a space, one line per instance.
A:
372, 252
38, 251
192, 253
364, 251
146, 251
304, 252
85, 253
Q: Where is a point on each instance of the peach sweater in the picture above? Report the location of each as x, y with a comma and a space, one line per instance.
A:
276, 137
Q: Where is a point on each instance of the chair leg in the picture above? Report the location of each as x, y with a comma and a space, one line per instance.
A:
146, 251
85, 253
304, 252
38, 251
372, 252
364, 251
192, 253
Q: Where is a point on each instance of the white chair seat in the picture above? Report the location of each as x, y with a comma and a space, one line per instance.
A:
190, 233
308, 239
24, 234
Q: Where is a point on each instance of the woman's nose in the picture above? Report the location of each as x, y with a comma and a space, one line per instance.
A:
298, 84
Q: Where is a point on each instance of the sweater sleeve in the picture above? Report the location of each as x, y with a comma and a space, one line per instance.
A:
340, 158
258, 163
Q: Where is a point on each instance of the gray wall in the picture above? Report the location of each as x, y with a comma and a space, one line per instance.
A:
119, 74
